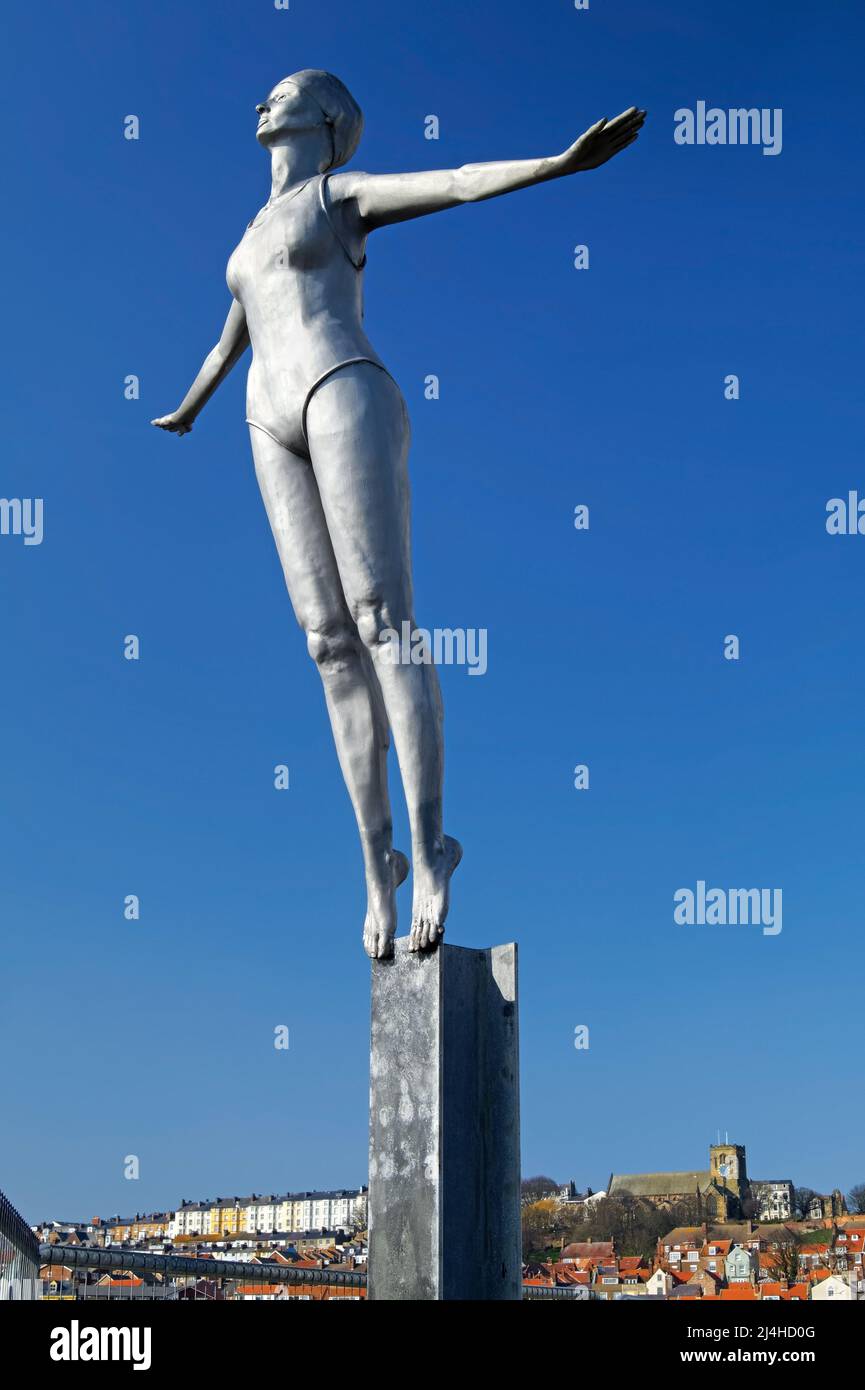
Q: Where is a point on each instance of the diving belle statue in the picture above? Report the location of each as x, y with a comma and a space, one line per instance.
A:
330, 438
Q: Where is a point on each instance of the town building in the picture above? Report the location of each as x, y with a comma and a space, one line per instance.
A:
741, 1266
773, 1199
134, 1230
827, 1205
833, 1286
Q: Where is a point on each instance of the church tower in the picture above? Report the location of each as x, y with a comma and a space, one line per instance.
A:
728, 1167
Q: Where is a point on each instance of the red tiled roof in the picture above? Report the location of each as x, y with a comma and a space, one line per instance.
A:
721, 1247
589, 1250
739, 1293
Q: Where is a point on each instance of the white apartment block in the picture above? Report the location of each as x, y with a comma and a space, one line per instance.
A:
190, 1219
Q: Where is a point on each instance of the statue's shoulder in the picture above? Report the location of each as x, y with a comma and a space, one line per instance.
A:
345, 185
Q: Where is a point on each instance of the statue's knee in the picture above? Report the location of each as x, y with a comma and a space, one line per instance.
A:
369, 623
331, 648
375, 622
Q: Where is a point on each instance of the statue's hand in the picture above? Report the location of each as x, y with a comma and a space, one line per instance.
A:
175, 423
601, 141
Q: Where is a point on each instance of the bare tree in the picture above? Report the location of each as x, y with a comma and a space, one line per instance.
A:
802, 1199
856, 1199
783, 1256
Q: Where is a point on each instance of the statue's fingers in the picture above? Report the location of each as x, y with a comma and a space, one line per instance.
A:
626, 130
624, 137
629, 120
622, 116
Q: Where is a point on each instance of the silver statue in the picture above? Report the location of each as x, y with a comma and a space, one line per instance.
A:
330, 438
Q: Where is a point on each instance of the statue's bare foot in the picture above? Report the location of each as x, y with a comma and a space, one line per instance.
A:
432, 895
379, 929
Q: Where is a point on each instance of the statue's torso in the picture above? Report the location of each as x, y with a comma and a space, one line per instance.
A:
303, 300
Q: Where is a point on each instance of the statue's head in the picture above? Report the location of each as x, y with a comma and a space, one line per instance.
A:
309, 100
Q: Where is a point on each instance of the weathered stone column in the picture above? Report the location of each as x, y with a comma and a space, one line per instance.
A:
444, 1154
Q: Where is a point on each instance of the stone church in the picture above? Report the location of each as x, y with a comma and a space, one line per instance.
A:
719, 1190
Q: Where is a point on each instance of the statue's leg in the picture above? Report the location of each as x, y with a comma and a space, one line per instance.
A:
354, 700
358, 436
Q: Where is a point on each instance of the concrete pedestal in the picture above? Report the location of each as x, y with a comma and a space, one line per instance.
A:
444, 1161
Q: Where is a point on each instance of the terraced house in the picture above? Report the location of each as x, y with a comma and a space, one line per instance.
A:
121, 1230
339, 1209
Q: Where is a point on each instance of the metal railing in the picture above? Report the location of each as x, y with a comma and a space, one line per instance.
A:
195, 1267
209, 1270
19, 1255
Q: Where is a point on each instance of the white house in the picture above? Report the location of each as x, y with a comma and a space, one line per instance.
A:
835, 1287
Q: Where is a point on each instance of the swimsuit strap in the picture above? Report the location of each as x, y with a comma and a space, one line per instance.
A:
322, 198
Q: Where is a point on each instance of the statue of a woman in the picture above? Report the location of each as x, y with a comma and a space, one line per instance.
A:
330, 437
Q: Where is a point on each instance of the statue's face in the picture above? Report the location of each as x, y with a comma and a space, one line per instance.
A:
287, 108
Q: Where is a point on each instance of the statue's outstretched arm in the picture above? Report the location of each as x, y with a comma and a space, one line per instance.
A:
384, 198
215, 368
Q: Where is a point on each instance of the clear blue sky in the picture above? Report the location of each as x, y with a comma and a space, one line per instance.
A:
558, 387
